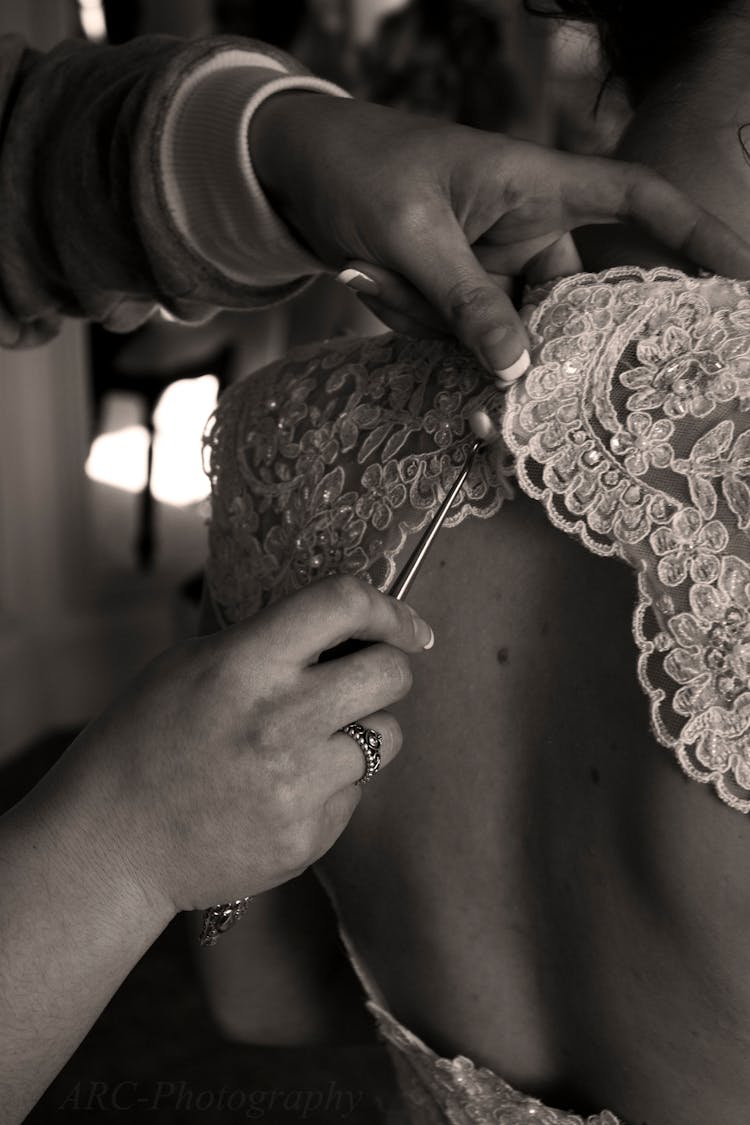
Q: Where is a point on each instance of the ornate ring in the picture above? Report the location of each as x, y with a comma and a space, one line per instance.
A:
218, 919
369, 742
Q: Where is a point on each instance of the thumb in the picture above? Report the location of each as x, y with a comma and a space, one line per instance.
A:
446, 271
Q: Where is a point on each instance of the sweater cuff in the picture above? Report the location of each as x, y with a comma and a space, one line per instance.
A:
210, 187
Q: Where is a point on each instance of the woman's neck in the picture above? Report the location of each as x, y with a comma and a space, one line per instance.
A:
695, 131
706, 155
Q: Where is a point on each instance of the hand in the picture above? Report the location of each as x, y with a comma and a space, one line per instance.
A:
440, 217
223, 771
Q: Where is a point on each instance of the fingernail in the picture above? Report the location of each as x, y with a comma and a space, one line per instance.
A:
497, 345
423, 631
355, 279
515, 371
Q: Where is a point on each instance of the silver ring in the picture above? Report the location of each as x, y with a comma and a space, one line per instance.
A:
218, 919
369, 742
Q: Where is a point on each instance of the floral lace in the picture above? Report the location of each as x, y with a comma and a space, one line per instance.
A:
326, 462
439, 1090
633, 430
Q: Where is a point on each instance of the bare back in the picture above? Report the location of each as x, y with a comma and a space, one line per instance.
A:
533, 883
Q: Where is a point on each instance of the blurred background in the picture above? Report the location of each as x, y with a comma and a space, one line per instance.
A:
102, 491
103, 495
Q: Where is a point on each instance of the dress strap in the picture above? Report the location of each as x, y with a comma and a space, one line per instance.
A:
633, 430
370, 987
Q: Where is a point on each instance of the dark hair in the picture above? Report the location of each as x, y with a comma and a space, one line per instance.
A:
443, 57
642, 40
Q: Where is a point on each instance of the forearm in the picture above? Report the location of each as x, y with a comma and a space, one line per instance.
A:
92, 222
73, 923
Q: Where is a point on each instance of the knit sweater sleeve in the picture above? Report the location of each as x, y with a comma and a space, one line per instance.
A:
126, 183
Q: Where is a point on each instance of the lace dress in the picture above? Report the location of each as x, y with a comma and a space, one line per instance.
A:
631, 429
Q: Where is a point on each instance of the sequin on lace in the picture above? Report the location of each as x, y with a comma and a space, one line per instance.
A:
633, 430
440, 1090
327, 462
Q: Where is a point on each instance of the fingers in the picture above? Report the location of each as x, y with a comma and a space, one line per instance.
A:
682, 225
332, 789
336, 814
402, 307
345, 759
599, 190
381, 289
400, 322
298, 628
440, 263
365, 681
561, 259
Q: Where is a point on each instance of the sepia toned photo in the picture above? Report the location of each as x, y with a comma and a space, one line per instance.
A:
374, 562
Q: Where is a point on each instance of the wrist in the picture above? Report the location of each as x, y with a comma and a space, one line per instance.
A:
282, 115
210, 186
86, 842
279, 135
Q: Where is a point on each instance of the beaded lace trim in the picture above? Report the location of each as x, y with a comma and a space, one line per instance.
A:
440, 1090
632, 429
328, 461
